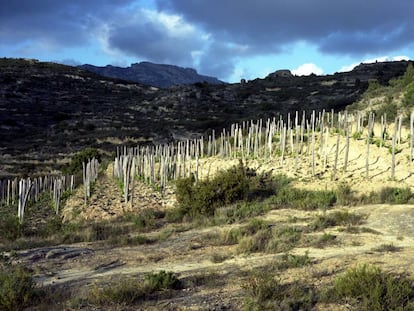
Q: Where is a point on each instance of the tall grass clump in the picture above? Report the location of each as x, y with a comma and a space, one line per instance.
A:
133, 291
366, 287
344, 195
17, 289
264, 291
395, 195
290, 197
10, 226
337, 218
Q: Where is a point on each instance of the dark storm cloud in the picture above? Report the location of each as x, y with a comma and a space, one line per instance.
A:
53, 21
352, 26
219, 59
149, 38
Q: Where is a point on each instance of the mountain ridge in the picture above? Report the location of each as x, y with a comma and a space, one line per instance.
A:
157, 75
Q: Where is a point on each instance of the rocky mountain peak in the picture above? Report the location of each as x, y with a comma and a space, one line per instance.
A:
158, 75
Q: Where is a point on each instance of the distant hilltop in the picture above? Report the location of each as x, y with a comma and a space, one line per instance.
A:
158, 75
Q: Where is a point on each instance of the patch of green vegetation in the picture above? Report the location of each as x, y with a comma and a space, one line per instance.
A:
293, 261
337, 218
324, 240
236, 184
17, 289
307, 200
366, 287
205, 196
344, 195
395, 195
10, 226
264, 291
132, 291
85, 155
218, 257
102, 231
270, 240
389, 195
240, 211
145, 220
387, 248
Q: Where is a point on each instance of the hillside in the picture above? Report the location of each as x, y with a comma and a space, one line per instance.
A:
51, 111
158, 75
300, 225
270, 214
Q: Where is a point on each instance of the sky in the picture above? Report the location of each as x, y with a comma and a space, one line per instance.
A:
228, 39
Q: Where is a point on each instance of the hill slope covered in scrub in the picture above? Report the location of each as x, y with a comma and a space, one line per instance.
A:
50, 111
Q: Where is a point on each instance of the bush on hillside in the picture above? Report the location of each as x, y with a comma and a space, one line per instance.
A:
85, 155
17, 289
203, 197
237, 184
368, 288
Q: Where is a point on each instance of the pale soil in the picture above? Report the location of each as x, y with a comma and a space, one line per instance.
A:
189, 253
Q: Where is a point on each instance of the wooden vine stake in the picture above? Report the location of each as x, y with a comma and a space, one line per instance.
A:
25, 185
394, 138
411, 135
370, 130
338, 135
313, 142
346, 142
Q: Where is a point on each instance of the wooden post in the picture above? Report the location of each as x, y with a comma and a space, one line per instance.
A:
338, 135
313, 142
411, 135
399, 129
370, 129
347, 142
394, 138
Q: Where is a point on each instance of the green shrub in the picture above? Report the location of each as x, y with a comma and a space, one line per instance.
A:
127, 291
162, 280
240, 211
51, 227
237, 184
337, 218
395, 195
232, 236
264, 291
10, 226
85, 155
344, 195
293, 261
324, 240
132, 291
207, 195
145, 220
17, 289
391, 248
101, 231
269, 239
371, 289
256, 243
303, 199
